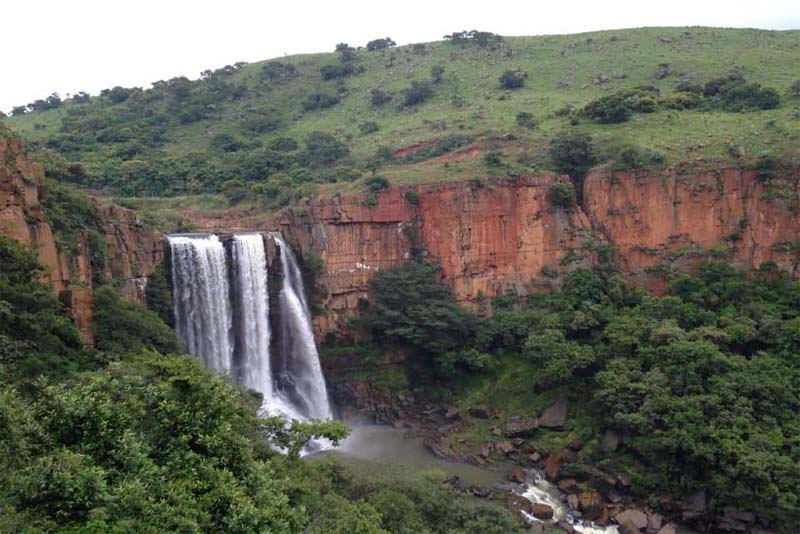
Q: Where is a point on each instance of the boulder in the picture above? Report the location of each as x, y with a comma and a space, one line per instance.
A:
534, 457
542, 511
553, 461
481, 412
518, 503
504, 447
603, 482
568, 485
736, 521
516, 475
521, 427
572, 502
667, 529
590, 504
554, 416
485, 451
536, 528
479, 491
628, 527
637, 517
496, 431
655, 522
695, 506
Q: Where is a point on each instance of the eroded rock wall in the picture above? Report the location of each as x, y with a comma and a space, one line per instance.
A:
491, 239
133, 251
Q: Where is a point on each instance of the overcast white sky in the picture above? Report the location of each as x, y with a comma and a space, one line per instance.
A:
89, 45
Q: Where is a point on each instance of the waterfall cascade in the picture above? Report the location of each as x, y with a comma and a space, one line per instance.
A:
222, 316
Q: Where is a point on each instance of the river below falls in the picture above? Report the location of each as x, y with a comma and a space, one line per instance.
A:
370, 444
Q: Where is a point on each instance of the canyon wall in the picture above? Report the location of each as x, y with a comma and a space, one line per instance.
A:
132, 251
491, 239
506, 238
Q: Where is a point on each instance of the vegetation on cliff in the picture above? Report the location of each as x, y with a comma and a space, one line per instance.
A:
701, 383
275, 130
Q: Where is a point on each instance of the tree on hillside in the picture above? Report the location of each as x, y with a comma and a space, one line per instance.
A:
512, 79
16, 111
380, 44
572, 154
417, 93
437, 71
346, 52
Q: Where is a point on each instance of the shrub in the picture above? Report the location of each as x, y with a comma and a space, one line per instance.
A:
319, 101
794, 89
323, 148
512, 79
283, 144
369, 127
608, 109
412, 197
378, 98
561, 194
417, 93
527, 120
493, 158
332, 72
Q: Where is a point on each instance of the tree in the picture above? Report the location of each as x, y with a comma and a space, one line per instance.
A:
411, 306
323, 148
417, 93
346, 52
16, 111
511, 79
572, 154
380, 44
608, 109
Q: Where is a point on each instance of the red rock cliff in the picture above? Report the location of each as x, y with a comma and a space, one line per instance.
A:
495, 240
133, 250
490, 240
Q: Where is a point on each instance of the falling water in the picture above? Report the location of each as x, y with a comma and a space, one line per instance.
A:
226, 323
300, 375
201, 299
251, 320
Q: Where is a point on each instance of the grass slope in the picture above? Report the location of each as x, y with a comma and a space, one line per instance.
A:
565, 70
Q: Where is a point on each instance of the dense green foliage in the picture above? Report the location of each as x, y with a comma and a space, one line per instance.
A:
702, 383
121, 326
411, 306
130, 439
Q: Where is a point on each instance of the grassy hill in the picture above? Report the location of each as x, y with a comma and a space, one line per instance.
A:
230, 130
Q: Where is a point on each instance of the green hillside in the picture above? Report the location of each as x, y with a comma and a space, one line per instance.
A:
252, 131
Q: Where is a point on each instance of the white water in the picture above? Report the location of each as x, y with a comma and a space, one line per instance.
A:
301, 374
539, 490
203, 318
227, 324
251, 296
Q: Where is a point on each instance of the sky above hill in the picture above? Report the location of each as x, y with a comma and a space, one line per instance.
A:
88, 45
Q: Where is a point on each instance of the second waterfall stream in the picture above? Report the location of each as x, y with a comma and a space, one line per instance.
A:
222, 316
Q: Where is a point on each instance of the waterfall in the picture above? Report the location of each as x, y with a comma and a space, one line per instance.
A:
222, 317
201, 298
253, 368
300, 375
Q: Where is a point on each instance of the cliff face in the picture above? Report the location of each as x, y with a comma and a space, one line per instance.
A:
491, 240
652, 219
133, 250
496, 239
